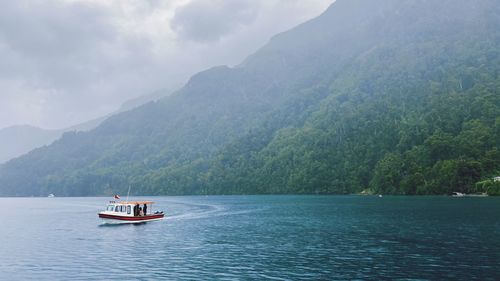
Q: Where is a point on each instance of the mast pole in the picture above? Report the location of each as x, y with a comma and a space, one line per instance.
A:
128, 192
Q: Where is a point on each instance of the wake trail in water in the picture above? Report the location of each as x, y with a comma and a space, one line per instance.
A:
201, 211
196, 211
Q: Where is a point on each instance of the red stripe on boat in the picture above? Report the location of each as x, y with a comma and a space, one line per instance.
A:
125, 218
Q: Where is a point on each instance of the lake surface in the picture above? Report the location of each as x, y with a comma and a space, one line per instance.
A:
255, 237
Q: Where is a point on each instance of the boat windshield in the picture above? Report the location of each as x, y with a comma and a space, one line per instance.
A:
110, 208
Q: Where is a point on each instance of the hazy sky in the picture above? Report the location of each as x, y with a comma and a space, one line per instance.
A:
63, 62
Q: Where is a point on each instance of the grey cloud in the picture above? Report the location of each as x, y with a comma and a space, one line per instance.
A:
69, 61
46, 41
52, 28
205, 21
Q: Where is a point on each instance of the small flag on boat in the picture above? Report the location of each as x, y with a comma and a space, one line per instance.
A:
117, 197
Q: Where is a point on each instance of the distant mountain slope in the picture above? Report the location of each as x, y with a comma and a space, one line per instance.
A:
397, 96
18, 140
21, 139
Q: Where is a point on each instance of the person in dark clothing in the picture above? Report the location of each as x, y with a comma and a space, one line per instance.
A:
136, 210
145, 209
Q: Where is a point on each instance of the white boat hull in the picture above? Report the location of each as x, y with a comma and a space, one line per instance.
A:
115, 221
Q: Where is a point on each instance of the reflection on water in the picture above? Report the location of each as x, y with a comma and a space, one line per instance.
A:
255, 237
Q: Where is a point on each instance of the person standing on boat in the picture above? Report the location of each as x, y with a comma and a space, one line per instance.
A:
141, 213
136, 210
145, 209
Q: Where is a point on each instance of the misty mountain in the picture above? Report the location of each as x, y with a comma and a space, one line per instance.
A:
18, 140
136, 102
397, 96
21, 139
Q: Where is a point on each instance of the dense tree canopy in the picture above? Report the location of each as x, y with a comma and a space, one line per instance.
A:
401, 97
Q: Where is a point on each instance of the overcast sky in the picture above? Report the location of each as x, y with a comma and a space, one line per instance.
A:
63, 62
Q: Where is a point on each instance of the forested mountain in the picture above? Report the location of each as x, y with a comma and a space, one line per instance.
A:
21, 139
17, 140
400, 97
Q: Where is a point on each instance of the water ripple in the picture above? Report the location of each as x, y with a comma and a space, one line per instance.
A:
254, 238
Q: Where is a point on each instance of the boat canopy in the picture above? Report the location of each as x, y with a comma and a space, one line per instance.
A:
135, 202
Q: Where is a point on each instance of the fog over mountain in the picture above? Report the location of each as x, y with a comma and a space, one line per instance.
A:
21, 139
388, 96
68, 61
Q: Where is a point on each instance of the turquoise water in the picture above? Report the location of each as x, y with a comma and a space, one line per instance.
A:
255, 238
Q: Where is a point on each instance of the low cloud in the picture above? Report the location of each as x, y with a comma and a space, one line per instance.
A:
68, 61
202, 20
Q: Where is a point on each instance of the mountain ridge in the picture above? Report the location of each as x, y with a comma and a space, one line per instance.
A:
380, 95
18, 140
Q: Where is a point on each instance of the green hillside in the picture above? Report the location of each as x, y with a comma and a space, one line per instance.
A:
402, 97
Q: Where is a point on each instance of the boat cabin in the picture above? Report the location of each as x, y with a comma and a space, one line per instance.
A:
132, 209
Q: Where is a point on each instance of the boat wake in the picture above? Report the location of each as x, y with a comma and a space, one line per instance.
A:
201, 211
196, 211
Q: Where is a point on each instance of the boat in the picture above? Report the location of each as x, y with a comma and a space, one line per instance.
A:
457, 194
51, 195
130, 212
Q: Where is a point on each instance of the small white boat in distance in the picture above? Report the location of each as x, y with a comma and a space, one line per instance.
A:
457, 194
51, 195
130, 212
